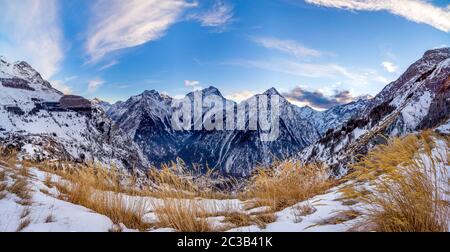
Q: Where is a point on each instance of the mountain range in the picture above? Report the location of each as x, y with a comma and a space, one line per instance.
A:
137, 133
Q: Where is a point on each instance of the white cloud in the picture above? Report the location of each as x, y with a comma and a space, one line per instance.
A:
389, 66
71, 78
219, 16
119, 24
191, 83
312, 70
30, 30
109, 65
419, 11
288, 46
62, 86
240, 96
94, 85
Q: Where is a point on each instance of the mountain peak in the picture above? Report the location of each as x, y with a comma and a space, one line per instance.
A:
211, 90
437, 51
150, 92
272, 91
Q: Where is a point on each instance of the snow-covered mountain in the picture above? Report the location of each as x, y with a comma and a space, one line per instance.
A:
33, 120
147, 119
419, 99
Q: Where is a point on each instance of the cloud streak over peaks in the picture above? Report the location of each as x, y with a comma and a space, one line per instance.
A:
94, 85
218, 17
287, 46
315, 70
317, 99
119, 24
418, 11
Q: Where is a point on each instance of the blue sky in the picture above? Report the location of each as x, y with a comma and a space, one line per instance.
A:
337, 50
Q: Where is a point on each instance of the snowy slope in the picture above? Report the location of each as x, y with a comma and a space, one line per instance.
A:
42, 133
418, 100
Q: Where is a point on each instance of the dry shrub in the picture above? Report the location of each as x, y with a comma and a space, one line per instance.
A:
239, 219
25, 212
92, 175
23, 224
20, 188
49, 219
3, 187
408, 184
183, 215
263, 219
2, 176
177, 180
302, 210
8, 156
116, 206
287, 183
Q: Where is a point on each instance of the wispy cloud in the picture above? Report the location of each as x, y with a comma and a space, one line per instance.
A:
389, 66
315, 70
419, 11
191, 83
317, 99
240, 96
287, 46
62, 86
94, 85
218, 17
119, 24
109, 65
194, 84
31, 30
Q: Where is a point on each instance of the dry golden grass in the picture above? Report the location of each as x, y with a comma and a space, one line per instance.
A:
302, 210
49, 219
114, 205
2, 176
3, 185
239, 219
25, 212
8, 157
23, 224
408, 185
20, 188
183, 215
92, 175
263, 219
287, 183
178, 181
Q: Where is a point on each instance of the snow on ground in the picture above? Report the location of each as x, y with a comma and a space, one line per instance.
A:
325, 218
330, 213
444, 128
68, 217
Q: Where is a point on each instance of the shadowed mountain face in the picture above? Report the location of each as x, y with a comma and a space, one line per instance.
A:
147, 119
140, 129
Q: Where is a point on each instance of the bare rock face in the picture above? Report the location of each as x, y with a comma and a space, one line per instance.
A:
74, 101
418, 100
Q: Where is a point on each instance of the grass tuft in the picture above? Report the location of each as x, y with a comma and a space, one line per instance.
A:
287, 183
408, 181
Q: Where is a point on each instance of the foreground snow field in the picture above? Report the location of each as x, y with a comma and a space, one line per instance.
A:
67, 217
43, 209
